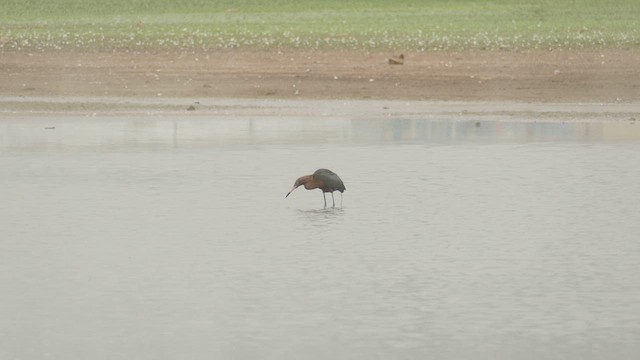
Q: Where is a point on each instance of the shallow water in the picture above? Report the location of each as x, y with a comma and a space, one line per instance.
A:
162, 237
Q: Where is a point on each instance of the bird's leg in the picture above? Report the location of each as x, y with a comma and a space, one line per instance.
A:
325, 200
333, 200
340, 200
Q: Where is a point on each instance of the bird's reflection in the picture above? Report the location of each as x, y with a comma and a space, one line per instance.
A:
321, 217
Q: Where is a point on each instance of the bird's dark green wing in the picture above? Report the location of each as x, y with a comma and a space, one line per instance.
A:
330, 179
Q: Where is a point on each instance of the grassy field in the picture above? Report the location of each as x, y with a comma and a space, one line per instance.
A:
401, 25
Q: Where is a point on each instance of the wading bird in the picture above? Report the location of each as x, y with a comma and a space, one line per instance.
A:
323, 179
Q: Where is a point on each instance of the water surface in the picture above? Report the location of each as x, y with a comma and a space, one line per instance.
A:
170, 237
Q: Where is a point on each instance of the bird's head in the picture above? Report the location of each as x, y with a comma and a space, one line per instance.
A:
298, 182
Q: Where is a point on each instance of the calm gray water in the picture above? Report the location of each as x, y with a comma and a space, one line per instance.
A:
170, 238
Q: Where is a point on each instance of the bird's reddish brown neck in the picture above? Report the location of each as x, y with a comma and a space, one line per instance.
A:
309, 182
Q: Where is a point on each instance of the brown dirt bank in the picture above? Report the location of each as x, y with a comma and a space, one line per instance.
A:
530, 76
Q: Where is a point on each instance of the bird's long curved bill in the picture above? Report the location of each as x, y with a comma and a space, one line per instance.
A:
290, 191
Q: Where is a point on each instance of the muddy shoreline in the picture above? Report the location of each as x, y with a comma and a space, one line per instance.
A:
489, 82
318, 108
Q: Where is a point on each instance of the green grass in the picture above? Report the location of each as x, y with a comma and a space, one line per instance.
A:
403, 25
